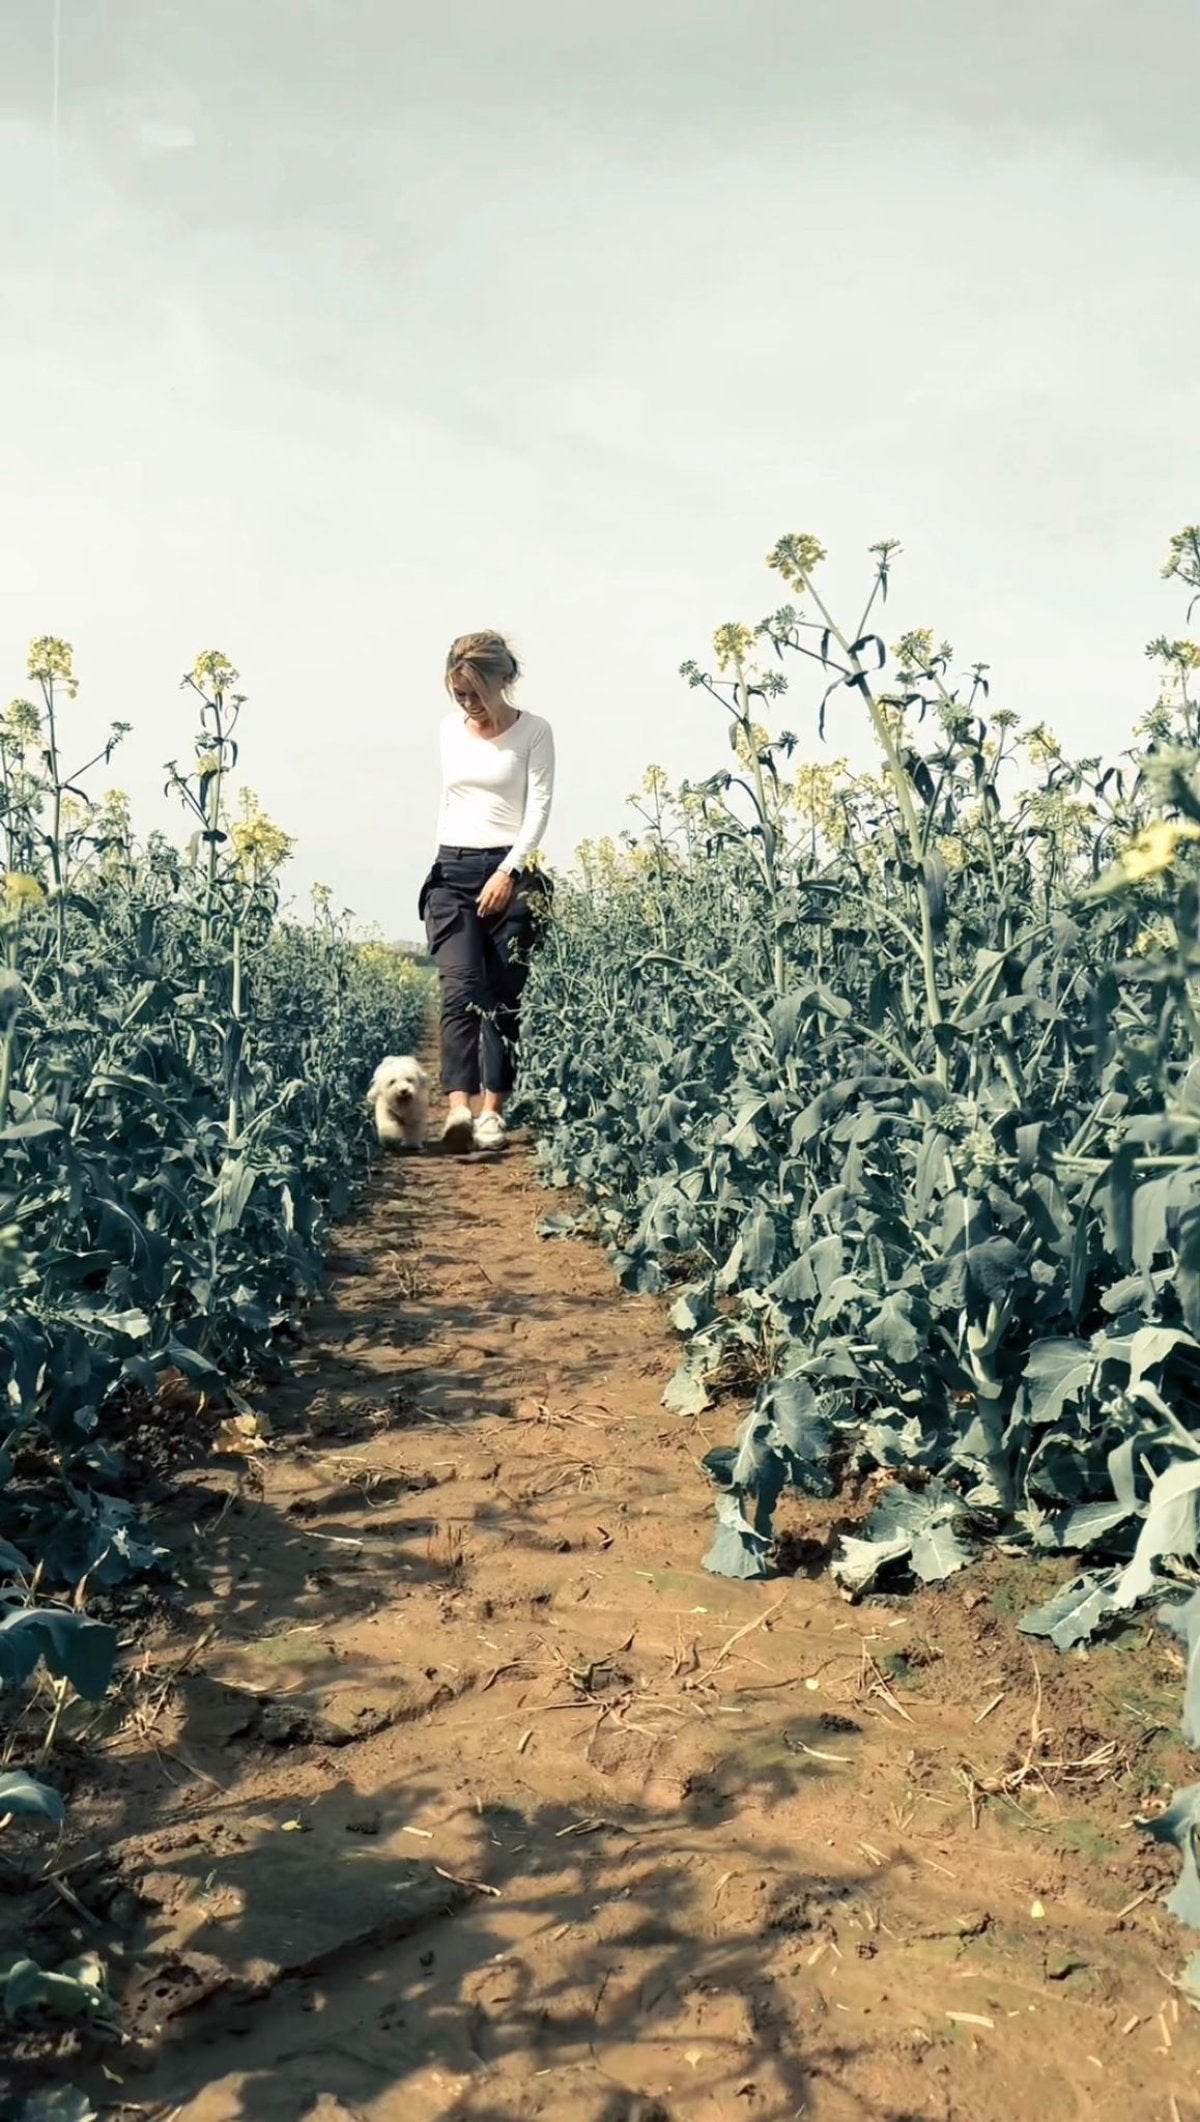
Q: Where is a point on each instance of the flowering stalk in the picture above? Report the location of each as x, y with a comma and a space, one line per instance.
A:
770, 873
212, 770
795, 559
654, 782
49, 663
211, 677
732, 643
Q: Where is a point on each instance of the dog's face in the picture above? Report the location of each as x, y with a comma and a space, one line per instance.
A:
399, 1082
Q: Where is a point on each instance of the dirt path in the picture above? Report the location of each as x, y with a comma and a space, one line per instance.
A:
485, 1802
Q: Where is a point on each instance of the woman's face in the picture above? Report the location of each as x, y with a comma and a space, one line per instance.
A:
478, 702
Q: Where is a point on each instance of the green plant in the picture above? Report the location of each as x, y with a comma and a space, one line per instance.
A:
891, 1078
182, 1071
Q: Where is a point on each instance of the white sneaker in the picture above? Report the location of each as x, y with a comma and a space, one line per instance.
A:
490, 1131
458, 1130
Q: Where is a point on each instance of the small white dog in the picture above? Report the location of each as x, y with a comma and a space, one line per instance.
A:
399, 1101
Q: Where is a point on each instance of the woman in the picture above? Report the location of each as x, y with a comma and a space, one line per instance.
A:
479, 902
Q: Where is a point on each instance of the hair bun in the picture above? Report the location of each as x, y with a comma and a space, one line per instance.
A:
488, 658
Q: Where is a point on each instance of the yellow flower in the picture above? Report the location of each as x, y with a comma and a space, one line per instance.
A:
749, 747
213, 672
22, 722
1180, 655
732, 643
50, 658
21, 890
795, 557
1042, 745
378, 956
1183, 557
1069, 820
1156, 936
914, 651
816, 790
1157, 723
1154, 849
956, 720
259, 845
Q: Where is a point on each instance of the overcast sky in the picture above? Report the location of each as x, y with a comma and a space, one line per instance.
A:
337, 327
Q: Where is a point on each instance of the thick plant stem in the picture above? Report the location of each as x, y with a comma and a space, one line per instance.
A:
769, 870
8, 1046
7, 1050
211, 799
778, 966
234, 1124
55, 843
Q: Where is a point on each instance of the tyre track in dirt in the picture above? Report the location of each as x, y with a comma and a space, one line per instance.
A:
486, 1803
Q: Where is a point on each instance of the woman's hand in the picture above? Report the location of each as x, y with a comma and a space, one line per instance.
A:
495, 895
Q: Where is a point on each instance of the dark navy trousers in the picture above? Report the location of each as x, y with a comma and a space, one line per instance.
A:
482, 966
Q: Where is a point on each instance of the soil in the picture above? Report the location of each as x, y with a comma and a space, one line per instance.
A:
456, 1789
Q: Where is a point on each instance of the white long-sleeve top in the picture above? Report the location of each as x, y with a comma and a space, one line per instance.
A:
496, 791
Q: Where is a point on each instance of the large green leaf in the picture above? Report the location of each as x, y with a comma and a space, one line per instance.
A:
758, 1240
1170, 1528
77, 1990
231, 1195
799, 1431
20, 1793
893, 1332
924, 1525
737, 1550
1075, 1612
1055, 1371
1179, 1826
72, 1647
686, 1392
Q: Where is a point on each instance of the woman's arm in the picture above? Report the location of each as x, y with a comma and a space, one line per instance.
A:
539, 794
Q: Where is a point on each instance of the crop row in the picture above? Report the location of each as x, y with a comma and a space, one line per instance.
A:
890, 1080
182, 1071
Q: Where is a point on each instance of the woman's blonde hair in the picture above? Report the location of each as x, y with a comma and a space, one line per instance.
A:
487, 658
